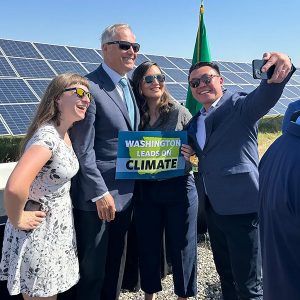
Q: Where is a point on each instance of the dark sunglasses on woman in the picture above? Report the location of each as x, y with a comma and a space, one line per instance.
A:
150, 78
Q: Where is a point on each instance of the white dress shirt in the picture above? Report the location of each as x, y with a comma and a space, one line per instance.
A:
201, 130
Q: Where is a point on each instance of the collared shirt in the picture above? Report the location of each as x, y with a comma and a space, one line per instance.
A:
115, 77
201, 130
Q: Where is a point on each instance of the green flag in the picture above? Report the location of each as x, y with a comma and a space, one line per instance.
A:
201, 53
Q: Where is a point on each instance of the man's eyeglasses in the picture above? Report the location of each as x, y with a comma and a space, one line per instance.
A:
206, 78
123, 45
150, 78
80, 92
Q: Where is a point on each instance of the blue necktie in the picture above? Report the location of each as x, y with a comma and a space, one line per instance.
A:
128, 100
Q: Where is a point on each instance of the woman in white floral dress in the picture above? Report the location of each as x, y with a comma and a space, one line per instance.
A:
39, 256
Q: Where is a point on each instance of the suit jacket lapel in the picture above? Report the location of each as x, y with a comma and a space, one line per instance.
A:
209, 121
193, 134
106, 84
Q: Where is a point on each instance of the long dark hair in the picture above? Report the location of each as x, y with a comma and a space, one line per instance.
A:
137, 79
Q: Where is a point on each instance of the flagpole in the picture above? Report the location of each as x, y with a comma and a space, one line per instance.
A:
201, 53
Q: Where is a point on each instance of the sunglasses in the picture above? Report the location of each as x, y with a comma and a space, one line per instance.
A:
150, 78
80, 92
123, 45
195, 82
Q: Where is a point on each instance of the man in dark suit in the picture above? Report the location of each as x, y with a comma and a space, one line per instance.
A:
102, 204
224, 136
279, 215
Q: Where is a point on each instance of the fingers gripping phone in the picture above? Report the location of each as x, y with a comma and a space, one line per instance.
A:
257, 64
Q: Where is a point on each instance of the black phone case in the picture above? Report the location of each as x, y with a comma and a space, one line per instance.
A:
257, 64
32, 205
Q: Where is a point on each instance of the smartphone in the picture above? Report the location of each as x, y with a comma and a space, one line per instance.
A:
32, 205
256, 69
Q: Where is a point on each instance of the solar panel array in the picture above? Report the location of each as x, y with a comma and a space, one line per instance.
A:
26, 69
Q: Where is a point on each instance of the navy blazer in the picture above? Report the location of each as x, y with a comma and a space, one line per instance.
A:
95, 141
279, 214
229, 159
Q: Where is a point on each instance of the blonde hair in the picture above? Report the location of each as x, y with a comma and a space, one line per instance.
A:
48, 109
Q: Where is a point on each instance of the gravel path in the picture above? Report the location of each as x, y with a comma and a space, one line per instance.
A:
208, 280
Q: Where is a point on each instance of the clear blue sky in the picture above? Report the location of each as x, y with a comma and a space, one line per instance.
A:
237, 30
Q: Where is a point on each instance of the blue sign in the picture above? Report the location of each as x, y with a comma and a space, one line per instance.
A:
150, 154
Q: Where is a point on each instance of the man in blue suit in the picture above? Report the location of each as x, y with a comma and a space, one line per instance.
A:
292, 107
279, 214
224, 136
102, 204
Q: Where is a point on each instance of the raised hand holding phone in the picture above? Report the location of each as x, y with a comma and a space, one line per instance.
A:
282, 64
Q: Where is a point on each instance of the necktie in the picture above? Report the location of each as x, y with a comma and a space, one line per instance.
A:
128, 100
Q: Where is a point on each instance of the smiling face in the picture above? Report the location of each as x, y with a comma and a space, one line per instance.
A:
207, 94
121, 61
155, 89
71, 106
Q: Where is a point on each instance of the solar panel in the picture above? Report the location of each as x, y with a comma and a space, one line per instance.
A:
295, 80
55, 52
26, 69
15, 91
90, 67
161, 61
140, 59
18, 116
245, 67
233, 77
100, 52
38, 85
295, 90
32, 68
3, 130
232, 88
67, 67
177, 92
247, 77
232, 67
181, 63
5, 68
86, 55
221, 67
288, 93
176, 74
18, 49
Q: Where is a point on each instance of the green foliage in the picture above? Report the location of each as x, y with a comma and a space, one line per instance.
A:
270, 124
9, 148
10, 145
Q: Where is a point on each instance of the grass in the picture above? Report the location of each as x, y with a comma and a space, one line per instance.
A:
269, 129
265, 139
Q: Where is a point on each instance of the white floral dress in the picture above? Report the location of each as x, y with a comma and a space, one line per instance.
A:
43, 262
